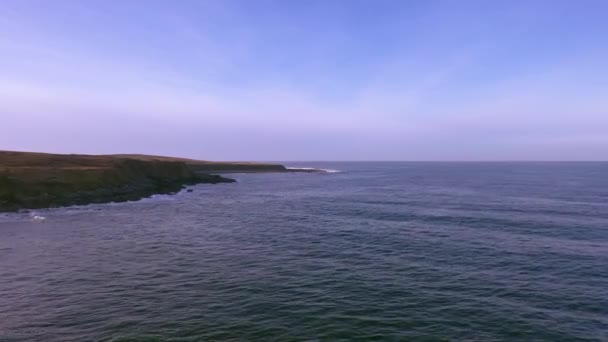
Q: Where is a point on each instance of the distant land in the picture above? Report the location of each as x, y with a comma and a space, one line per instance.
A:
41, 180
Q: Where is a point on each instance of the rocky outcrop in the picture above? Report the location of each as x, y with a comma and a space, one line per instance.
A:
75, 180
236, 167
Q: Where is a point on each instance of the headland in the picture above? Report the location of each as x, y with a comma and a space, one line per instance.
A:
41, 180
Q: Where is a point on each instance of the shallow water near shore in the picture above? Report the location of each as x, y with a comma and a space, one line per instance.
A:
377, 251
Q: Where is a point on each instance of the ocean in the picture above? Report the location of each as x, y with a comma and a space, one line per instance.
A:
374, 252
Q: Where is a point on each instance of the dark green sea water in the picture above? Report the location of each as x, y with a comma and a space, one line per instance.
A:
377, 252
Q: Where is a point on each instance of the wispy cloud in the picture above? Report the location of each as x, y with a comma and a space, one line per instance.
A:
442, 84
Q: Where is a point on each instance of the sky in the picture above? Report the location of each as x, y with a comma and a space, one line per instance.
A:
307, 80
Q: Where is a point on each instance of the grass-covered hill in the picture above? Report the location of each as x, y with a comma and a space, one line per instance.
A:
41, 180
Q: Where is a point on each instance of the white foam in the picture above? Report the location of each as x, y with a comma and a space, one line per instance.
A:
313, 169
36, 217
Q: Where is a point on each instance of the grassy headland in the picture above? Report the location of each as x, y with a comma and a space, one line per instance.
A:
40, 180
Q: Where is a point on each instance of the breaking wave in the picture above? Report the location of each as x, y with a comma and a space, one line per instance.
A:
312, 169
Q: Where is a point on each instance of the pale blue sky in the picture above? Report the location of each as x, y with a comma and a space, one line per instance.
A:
307, 80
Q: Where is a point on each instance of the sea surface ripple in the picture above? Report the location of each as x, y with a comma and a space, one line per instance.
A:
378, 252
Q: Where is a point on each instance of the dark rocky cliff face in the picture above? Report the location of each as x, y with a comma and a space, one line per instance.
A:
30, 187
42, 180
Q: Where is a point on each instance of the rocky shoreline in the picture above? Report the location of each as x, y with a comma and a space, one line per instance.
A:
38, 180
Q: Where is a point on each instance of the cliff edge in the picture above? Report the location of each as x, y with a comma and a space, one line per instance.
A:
40, 180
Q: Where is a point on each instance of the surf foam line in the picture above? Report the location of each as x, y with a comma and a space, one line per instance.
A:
313, 169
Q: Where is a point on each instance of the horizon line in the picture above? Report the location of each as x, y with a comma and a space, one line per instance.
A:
322, 161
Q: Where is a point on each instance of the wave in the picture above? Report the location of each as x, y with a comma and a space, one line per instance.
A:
312, 169
34, 216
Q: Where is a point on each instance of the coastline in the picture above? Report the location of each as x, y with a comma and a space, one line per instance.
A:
40, 180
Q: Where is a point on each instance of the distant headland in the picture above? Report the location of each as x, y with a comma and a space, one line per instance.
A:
42, 180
